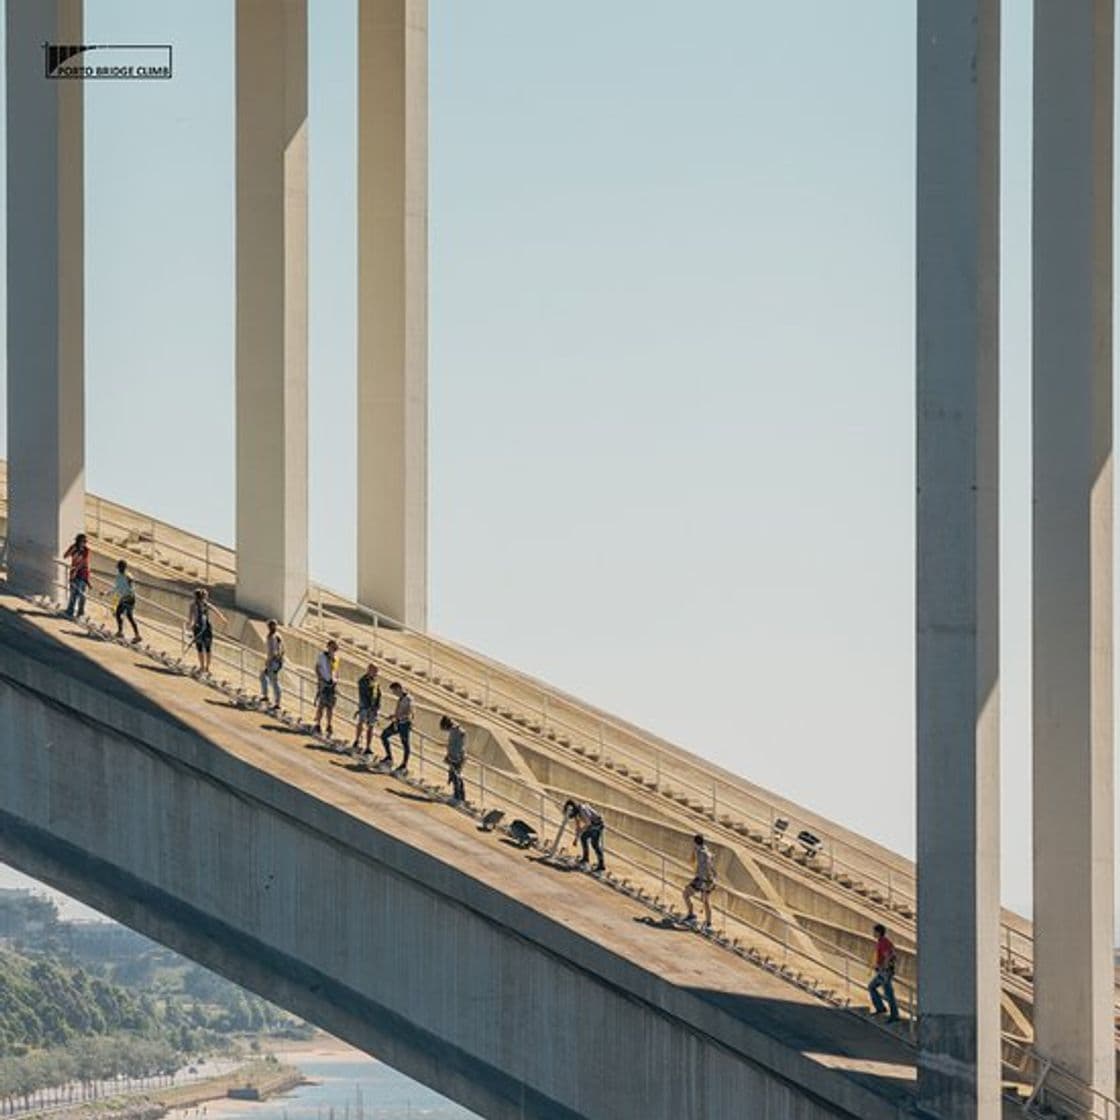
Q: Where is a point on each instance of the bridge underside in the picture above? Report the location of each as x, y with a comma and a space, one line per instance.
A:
388, 919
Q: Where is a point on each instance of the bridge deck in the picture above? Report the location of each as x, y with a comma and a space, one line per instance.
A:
839, 1040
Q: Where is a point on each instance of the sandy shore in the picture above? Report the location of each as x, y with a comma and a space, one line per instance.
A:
292, 1051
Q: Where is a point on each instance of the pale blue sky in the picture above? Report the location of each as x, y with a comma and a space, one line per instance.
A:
671, 356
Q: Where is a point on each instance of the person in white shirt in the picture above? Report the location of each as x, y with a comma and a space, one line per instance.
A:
326, 680
273, 663
703, 881
125, 594
401, 725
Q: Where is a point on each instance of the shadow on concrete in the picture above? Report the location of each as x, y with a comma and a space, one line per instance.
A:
551, 863
405, 795
844, 1037
671, 924
353, 767
28, 641
35, 612
165, 670
283, 729
85, 635
315, 745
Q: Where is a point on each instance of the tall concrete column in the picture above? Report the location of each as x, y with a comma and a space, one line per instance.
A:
271, 129
393, 308
958, 557
46, 323
1072, 537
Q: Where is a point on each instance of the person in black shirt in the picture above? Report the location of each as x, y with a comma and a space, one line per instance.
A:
589, 830
369, 704
456, 756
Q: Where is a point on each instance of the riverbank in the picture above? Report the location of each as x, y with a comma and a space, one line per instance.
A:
268, 1076
293, 1051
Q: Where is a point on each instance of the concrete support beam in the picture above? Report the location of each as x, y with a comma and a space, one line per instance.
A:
393, 308
1072, 541
957, 557
271, 130
46, 324
393, 929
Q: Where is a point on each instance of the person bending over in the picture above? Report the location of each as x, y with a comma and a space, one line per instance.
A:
589, 831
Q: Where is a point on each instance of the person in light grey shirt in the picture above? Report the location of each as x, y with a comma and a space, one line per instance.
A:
273, 663
401, 725
703, 882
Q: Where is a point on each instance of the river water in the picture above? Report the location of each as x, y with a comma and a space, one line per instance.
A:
348, 1086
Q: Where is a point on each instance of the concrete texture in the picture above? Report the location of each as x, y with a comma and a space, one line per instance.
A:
1072, 545
46, 281
760, 875
513, 987
958, 556
271, 308
393, 308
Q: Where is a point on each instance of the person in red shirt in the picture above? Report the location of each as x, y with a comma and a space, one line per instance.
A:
885, 961
78, 555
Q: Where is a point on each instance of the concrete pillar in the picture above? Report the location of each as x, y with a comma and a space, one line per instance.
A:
393, 308
1072, 537
46, 326
958, 557
271, 130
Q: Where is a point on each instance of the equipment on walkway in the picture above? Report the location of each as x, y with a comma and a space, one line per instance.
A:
523, 834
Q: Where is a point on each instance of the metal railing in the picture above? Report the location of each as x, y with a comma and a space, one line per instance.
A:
500, 688
153, 540
1054, 1089
665, 771
830, 972
158, 542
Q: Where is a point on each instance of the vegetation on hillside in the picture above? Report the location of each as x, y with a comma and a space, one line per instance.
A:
43, 1003
81, 1004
